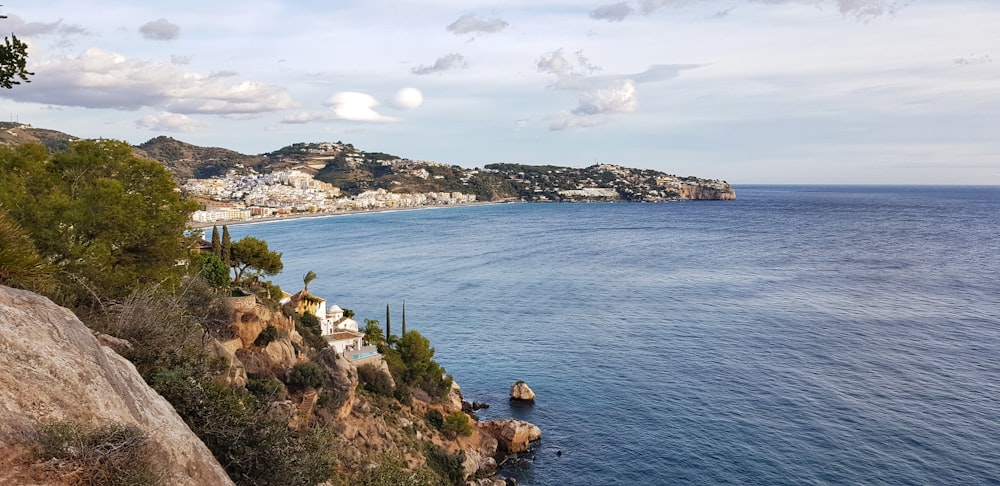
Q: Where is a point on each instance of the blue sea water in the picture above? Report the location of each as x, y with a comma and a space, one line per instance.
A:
798, 335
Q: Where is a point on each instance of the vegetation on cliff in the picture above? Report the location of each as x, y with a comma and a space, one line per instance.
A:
101, 231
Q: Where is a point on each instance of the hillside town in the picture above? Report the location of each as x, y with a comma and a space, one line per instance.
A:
242, 194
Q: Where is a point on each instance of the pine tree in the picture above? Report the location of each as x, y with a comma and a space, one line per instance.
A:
216, 245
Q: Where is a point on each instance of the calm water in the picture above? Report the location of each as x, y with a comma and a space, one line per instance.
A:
798, 335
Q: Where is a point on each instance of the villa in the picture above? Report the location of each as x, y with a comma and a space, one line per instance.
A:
341, 332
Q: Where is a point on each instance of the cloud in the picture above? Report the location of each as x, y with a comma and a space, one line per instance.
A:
470, 23
161, 29
180, 60
407, 99
973, 59
617, 98
103, 79
167, 122
345, 105
564, 70
444, 63
615, 12
18, 25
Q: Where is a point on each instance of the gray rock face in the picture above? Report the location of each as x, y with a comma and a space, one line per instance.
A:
340, 378
54, 369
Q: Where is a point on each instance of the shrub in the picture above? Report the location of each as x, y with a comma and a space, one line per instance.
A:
308, 327
305, 375
114, 454
447, 466
455, 424
434, 418
266, 388
375, 380
270, 333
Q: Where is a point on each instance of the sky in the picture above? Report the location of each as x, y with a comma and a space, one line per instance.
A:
747, 91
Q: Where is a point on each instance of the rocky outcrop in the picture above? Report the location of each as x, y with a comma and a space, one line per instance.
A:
236, 373
513, 435
520, 391
340, 380
54, 369
706, 190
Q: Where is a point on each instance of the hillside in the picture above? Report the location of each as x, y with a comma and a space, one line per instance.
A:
354, 171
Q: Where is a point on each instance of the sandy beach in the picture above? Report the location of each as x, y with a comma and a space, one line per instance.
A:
288, 217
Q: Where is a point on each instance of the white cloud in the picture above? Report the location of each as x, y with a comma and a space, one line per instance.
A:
469, 23
407, 99
443, 63
161, 29
618, 98
103, 79
167, 122
354, 106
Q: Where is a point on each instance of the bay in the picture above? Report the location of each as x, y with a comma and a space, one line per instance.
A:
797, 335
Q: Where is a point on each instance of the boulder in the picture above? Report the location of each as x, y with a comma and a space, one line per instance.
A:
513, 435
520, 391
236, 373
340, 380
54, 369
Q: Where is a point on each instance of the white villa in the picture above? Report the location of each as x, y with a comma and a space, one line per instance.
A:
340, 332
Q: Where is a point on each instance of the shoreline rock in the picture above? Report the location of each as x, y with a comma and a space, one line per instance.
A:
512, 435
521, 391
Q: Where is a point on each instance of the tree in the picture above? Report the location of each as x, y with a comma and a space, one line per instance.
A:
226, 248
215, 272
13, 61
107, 220
404, 318
373, 333
388, 334
216, 243
20, 264
253, 253
308, 277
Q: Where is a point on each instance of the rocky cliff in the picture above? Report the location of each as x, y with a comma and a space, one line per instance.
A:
55, 370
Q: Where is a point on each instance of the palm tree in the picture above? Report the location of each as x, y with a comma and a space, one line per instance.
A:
308, 277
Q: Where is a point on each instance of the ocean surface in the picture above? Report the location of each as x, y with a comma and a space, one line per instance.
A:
838, 335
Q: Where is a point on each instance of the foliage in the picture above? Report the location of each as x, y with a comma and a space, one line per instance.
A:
215, 272
447, 466
411, 363
253, 253
216, 242
349, 313
270, 333
113, 454
373, 333
266, 388
253, 447
225, 248
308, 278
305, 375
375, 380
20, 264
308, 326
434, 418
455, 424
108, 221
393, 472
13, 61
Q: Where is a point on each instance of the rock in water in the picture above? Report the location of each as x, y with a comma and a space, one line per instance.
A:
54, 369
521, 391
513, 435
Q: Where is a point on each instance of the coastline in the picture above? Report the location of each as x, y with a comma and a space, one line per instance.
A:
348, 212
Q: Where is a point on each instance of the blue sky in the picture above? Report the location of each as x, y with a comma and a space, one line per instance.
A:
748, 91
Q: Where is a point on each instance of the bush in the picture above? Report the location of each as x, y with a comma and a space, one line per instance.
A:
375, 380
434, 418
447, 466
455, 424
305, 375
114, 454
308, 327
266, 388
270, 333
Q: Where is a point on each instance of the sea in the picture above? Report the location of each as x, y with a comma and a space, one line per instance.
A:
800, 335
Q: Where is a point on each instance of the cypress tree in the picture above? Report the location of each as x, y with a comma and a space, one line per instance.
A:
225, 248
216, 245
387, 333
404, 317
